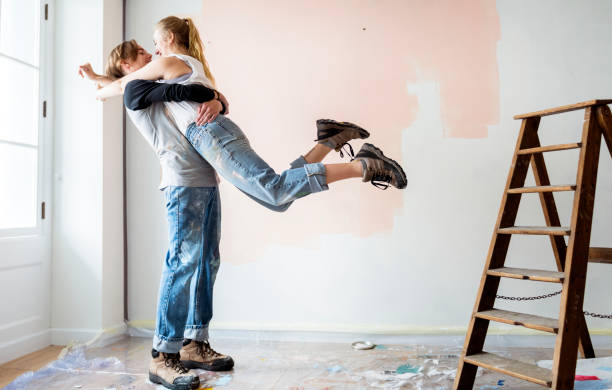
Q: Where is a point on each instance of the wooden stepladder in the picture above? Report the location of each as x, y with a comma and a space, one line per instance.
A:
571, 258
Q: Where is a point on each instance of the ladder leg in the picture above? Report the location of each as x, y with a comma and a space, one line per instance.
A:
549, 207
604, 117
566, 346
477, 329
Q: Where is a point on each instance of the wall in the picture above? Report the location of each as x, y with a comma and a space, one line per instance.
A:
437, 84
87, 272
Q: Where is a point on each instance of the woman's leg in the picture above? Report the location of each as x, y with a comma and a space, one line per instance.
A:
227, 149
317, 153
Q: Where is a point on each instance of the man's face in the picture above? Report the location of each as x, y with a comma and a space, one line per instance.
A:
143, 57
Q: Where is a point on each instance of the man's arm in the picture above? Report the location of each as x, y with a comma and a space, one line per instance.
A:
140, 94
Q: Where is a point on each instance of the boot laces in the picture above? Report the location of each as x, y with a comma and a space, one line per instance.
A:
173, 361
204, 349
348, 151
381, 180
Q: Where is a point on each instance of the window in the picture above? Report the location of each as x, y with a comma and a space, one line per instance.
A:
20, 114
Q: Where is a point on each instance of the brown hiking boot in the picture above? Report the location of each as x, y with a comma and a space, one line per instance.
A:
336, 135
199, 354
167, 370
379, 169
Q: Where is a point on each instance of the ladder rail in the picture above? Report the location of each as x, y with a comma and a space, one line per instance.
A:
551, 216
604, 118
572, 297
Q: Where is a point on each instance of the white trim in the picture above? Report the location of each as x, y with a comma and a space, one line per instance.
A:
33, 232
71, 336
24, 345
88, 336
21, 144
17, 266
20, 61
387, 330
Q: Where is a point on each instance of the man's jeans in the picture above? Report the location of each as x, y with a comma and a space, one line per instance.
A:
186, 288
227, 149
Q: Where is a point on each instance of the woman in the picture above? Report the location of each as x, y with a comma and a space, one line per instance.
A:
223, 144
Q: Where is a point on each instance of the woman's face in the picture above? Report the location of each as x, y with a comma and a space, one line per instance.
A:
143, 57
162, 42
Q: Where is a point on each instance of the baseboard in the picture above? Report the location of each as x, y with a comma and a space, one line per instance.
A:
91, 337
144, 327
24, 345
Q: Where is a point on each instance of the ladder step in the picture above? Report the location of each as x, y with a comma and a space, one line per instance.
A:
557, 188
600, 255
551, 148
542, 230
530, 321
515, 368
530, 274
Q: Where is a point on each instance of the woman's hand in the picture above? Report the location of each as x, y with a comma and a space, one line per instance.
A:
86, 71
208, 111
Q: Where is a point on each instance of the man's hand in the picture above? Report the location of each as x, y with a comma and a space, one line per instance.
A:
207, 112
224, 100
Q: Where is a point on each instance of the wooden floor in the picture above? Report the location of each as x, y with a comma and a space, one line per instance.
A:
31, 362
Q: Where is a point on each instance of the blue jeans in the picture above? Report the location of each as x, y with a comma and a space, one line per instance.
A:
185, 297
227, 149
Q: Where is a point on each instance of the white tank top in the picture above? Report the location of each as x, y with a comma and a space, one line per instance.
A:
184, 113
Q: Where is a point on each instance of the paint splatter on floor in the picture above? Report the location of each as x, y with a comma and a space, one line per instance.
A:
281, 365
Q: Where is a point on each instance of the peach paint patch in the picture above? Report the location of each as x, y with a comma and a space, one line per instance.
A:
283, 64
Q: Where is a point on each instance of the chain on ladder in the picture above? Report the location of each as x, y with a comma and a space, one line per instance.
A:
533, 298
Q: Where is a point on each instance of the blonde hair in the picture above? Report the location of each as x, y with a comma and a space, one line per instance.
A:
186, 34
127, 50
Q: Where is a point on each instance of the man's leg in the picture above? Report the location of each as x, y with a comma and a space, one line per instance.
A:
203, 237
173, 299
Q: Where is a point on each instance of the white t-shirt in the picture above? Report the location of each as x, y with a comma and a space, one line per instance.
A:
184, 113
180, 163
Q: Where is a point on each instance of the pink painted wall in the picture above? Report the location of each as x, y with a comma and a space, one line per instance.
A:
283, 64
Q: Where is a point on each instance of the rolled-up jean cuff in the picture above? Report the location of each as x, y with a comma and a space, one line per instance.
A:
317, 177
198, 333
167, 346
299, 162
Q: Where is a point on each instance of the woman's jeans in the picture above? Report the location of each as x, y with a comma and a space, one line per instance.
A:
227, 149
194, 220
185, 297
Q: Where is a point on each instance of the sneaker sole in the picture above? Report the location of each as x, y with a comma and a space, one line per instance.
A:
160, 381
363, 133
373, 149
208, 367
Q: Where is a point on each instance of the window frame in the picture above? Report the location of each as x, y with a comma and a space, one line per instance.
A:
45, 129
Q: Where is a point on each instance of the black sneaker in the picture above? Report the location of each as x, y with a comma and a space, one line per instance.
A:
337, 134
380, 170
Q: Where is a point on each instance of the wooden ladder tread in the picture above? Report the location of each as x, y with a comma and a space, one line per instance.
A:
555, 188
542, 230
600, 255
545, 324
569, 107
515, 368
528, 274
551, 148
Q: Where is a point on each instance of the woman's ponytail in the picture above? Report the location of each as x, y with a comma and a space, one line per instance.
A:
186, 34
196, 49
